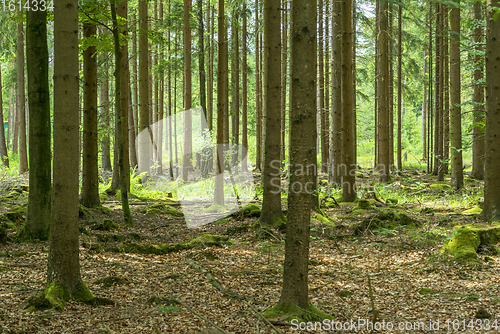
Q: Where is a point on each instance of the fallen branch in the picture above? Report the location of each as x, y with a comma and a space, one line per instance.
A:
228, 293
16, 264
199, 315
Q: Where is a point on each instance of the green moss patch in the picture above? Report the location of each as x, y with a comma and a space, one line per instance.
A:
203, 241
474, 211
106, 225
252, 210
162, 209
440, 186
466, 240
344, 294
426, 291
237, 229
324, 219
55, 295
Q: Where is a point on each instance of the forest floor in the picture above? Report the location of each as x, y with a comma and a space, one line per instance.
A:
412, 282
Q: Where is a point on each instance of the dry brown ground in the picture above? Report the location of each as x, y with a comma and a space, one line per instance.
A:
398, 266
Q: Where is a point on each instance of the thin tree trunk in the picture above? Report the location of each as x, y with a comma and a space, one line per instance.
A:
15, 118
284, 44
188, 146
203, 97
336, 117
391, 88
144, 138
457, 176
438, 115
446, 91
258, 93
321, 91
423, 129
104, 102
23, 154
244, 116
400, 93
478, 98
90, 170
121, 110
3, 146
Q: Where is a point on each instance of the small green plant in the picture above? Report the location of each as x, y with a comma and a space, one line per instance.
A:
167, 308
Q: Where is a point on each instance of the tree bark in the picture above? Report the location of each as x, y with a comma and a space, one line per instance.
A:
63, 261
321, 91
104, 102
271, 175
348, 140
492, 140
457, 176
438, 103
478, 98
258, 92
303, 152
201, 68
446, 91
90, 171
37, 56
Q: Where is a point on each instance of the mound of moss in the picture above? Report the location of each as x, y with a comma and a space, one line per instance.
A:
288, 312
252, 210
162, 209
467, 240
387, 219
362, 207
203, 241
106, 225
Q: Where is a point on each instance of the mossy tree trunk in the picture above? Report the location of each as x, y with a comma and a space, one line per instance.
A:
37, 56
63, 267
457, 176
90, 172
271, 176
492, 140
302, 152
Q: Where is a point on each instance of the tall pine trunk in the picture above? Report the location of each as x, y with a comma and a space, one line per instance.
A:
23, 156
478, 98
144, 138
3, 146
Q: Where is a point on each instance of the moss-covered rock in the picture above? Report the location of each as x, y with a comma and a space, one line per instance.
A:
466, 240
474, 211
362, 207
289, 312
252, 210
324, 219
106, 225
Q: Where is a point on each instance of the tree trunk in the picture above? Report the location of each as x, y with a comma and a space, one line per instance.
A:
222, 98
390, 98
457, 176
121, 110
336, 117
3, 147
23, 154
104, 102
203, 97
423, 129
400, 93
383, 97
135, 93
446, 91
15, 121
37, 56
235, 78
63, 267
244, 99
258, 93
321, 91
144, 138
478, 98
348, 140
90, 170
271, 175
303, 152
492, 140
438, 115
284, 47
188, 146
